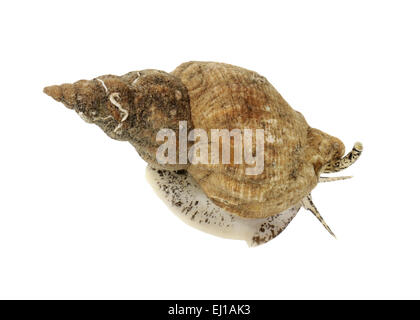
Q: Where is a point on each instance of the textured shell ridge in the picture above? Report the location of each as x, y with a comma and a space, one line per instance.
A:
225, 96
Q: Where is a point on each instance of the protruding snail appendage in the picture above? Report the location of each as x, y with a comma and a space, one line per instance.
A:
331, 179
308, 204
346, 161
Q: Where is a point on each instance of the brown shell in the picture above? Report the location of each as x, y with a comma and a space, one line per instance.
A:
208, 95
153, 100
223, 96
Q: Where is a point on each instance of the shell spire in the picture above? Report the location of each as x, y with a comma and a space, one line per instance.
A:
132, 107
78, 95
55, 92
65, 93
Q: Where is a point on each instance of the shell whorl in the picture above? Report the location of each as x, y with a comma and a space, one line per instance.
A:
223, 96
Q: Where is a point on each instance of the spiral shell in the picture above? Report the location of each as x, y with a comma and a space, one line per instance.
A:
211, 96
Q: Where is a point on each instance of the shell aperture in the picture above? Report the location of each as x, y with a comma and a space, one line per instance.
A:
188, 202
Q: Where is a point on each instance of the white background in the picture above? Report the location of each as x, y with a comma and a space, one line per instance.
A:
77, 218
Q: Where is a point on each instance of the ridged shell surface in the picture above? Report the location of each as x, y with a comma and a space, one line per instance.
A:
223, 96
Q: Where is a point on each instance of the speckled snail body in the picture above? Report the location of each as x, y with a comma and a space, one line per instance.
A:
219, 198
